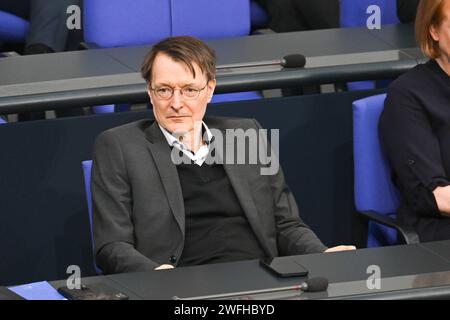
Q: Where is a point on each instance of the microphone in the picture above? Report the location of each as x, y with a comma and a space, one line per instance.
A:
295, 60
314, 285
311, 285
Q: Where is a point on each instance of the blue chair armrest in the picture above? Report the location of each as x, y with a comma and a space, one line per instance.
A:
409, 235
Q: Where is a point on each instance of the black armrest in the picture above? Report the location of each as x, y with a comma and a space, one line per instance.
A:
408, 234
88, 45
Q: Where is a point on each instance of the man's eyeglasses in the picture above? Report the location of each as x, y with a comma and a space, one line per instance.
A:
188, 92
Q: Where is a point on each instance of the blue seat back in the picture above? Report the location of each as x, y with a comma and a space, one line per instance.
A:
107, 108
2, 121
210, 19
236, 96
361, 85
113, 23
87, 168
374, 190
12, 28
353, 13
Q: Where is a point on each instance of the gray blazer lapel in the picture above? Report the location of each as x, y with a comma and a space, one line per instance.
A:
160, 151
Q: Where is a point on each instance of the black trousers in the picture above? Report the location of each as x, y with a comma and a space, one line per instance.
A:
406, 10
299, 15
19, 8
47, 20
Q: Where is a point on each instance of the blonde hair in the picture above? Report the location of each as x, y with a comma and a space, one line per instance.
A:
429, 13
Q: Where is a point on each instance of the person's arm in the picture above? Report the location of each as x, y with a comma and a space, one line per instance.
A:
293, 235
442, 196
112, 210
414, 153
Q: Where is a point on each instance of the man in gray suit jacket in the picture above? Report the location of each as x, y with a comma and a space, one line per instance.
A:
153, 212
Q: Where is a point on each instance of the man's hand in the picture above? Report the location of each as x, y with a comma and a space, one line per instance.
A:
442, 196
340, 248
165, 266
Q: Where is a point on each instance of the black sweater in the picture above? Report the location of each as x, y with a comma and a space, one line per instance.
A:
217, 229
415, 133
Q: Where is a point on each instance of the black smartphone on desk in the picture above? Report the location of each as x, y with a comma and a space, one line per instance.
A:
98, 291
284, 267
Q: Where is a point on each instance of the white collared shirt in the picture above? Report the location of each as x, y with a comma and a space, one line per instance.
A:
200, 156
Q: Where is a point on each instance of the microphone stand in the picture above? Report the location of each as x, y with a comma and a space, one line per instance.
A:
244, 293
